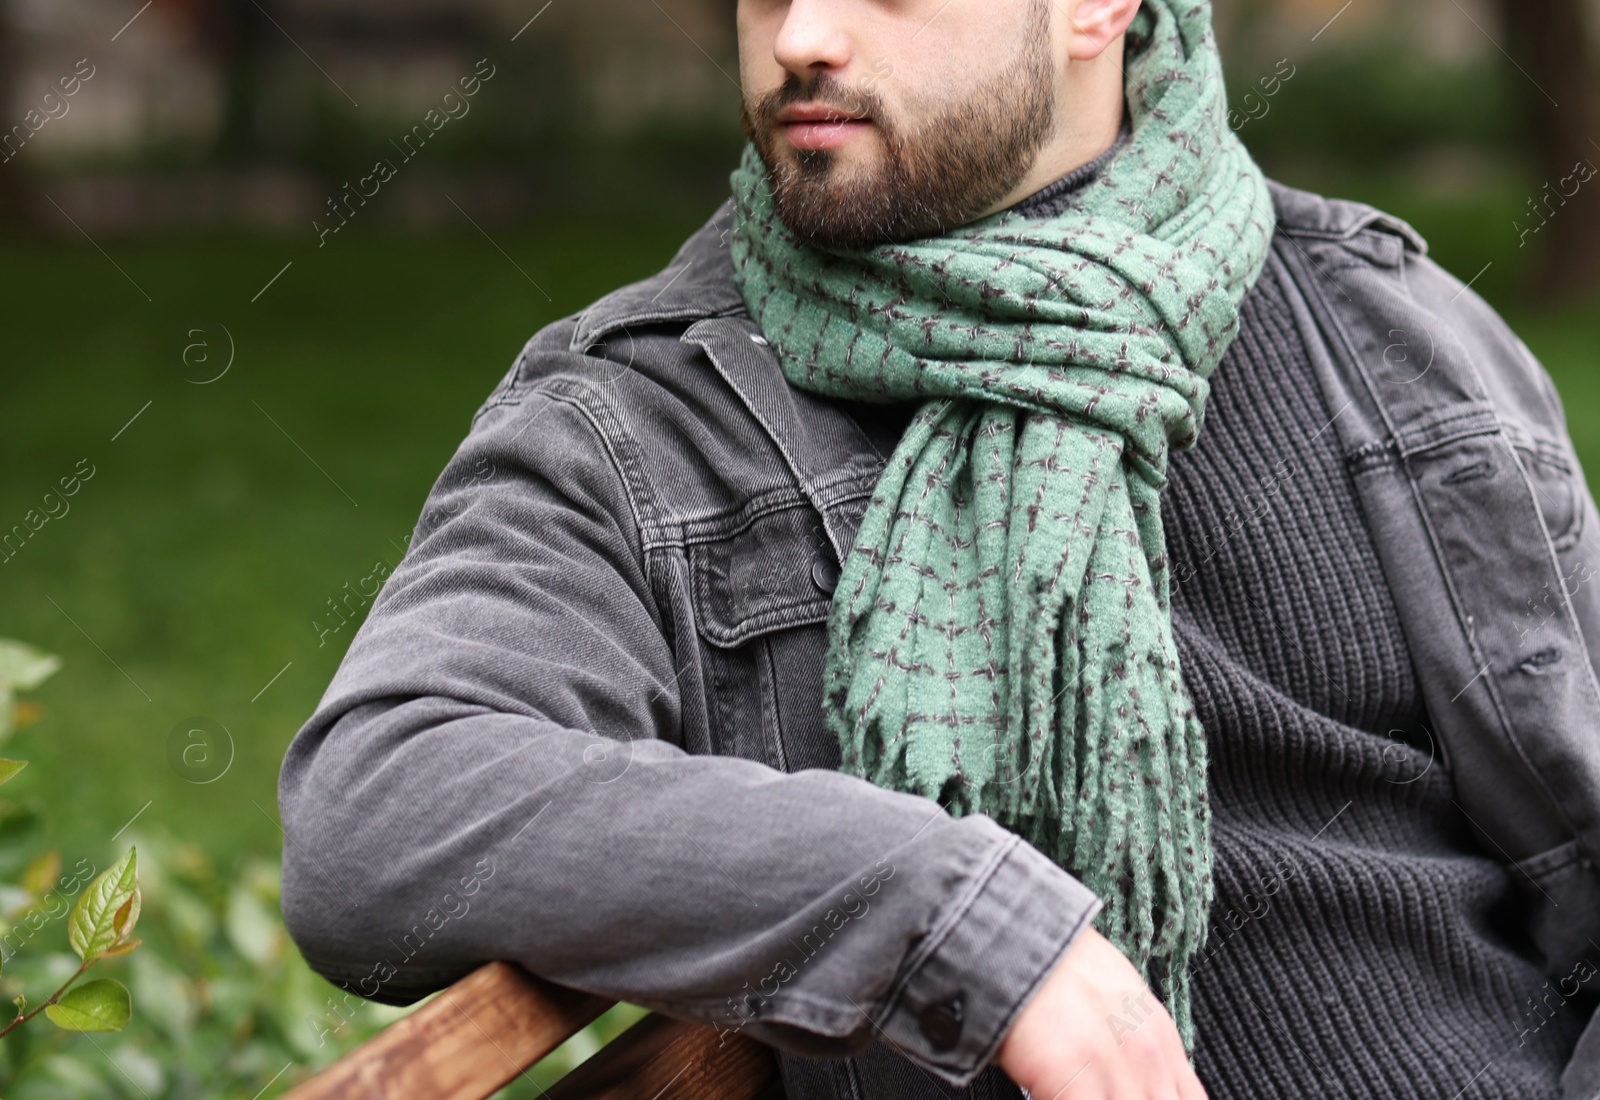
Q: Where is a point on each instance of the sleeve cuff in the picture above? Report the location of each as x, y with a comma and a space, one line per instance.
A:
966, 983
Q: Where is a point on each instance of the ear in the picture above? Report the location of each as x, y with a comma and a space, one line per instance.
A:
1098, 23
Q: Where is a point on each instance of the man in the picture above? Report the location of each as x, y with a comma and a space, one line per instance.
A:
1019, 602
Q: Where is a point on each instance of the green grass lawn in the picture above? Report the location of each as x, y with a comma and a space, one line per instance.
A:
192, 566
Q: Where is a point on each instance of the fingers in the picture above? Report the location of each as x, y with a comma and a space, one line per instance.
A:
1151, 1064
1184, 1083
1168, 1065
1189, 1086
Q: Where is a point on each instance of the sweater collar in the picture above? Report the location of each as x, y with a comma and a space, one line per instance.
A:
1054, 197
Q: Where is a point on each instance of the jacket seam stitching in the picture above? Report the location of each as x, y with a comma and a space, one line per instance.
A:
790, 460
1373, 221
1441, 431
554, 393
959, 909
1089, 914
770, 667
768, 618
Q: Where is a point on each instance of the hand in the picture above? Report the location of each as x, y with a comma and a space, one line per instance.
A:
1094, 1031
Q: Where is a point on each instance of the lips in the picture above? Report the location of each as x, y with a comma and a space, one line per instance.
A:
817, 126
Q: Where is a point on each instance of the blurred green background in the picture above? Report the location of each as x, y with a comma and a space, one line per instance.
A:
191, 576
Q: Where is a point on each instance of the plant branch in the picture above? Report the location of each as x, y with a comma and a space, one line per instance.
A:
54, 998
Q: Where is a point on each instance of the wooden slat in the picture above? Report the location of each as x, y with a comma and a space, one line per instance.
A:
664, 1059
464, 1044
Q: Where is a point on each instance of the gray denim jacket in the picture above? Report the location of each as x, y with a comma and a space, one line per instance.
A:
580, 728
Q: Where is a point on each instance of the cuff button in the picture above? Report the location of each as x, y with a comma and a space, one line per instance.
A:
941, 1023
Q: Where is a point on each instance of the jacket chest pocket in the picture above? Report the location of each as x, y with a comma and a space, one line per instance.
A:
761, 596
1555, 487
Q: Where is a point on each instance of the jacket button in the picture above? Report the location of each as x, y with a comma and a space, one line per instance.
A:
825, 574
941, 1023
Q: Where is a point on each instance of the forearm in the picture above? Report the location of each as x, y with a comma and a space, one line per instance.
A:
807, 910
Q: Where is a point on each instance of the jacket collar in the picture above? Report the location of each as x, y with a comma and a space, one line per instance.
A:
1306, 214
698, 283
697, 287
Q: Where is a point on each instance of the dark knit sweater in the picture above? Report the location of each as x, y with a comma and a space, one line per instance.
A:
1363, 943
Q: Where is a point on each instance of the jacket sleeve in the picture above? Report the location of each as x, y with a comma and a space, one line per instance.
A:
495, 773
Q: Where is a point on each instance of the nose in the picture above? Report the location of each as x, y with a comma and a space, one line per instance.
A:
813, 38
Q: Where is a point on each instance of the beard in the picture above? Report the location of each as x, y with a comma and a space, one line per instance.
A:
965, 157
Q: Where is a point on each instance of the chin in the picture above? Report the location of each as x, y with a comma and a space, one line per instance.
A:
862, 156
837, 199
829, 231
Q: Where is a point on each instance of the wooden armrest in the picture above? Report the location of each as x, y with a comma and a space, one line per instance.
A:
464, 1044
660, 1058
476, 1036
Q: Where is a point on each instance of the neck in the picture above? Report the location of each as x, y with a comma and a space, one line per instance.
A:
1089, 110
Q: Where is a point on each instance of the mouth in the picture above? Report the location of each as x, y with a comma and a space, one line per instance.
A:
820, 127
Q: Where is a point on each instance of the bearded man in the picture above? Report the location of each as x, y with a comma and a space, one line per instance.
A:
1020, 602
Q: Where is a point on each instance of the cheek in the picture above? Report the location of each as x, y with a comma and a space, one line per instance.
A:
758, 23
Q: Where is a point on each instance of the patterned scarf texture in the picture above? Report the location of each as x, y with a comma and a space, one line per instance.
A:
1001, 638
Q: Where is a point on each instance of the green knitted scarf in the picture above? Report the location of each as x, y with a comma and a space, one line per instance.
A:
1001, 636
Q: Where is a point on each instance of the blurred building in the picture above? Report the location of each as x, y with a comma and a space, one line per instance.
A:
164, 78
228, 110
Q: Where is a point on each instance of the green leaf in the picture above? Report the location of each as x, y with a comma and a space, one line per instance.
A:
102, 1005
24, 668
94, 926
9, 768
40, 875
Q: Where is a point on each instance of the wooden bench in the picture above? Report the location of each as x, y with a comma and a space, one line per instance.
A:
482, 1032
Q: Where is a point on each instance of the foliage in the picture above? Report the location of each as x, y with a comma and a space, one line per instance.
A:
232, 1006
228, 1006
1372, 105
101, 923
22, 668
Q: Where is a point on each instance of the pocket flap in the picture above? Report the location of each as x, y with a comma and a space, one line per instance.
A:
768, 574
